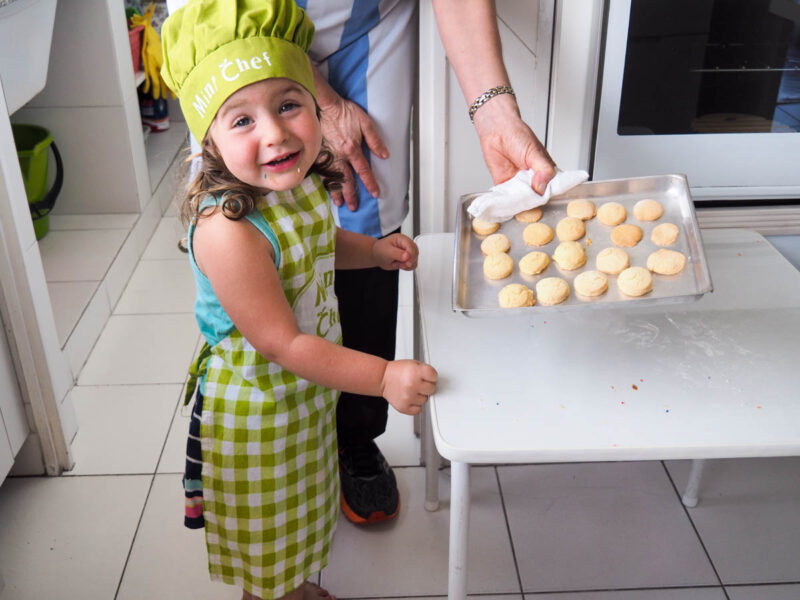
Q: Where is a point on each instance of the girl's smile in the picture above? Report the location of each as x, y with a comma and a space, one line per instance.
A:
268, 134
283, 162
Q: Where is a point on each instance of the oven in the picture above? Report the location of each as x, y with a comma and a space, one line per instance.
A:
709, 88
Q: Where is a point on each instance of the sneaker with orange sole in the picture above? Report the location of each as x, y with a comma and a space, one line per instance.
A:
369, 487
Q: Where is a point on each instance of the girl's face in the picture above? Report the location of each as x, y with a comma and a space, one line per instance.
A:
268, 133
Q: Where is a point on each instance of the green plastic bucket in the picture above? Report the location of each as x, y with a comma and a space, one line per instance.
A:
32, 143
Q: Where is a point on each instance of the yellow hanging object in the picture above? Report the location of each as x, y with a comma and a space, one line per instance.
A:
151, 54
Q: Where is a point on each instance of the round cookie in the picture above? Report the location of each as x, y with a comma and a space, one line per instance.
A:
529, 216
581, 209
482, 227
635, 281
665, 234
537, 234
498, 265
515, 295
591, 283
552, 290
534, 263
611, 213
497, 242
626, 235
666, 262
569, 256
648, 210
569, 229
612, 261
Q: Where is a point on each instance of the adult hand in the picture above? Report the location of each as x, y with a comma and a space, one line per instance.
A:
509, 145
344, 126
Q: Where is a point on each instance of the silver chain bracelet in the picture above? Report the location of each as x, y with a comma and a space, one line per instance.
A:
486, 96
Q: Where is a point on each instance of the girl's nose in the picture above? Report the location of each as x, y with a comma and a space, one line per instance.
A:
273, 132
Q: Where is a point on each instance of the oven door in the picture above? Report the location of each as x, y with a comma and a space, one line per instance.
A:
709, 88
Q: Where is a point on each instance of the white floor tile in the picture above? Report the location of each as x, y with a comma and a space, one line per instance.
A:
164, 243
159, 286
161, 149
69, 299
173, 457
78, 256
167, 560
749, 517
764, 592
408, 556
88, 222
136, 349
122, 428
714, 593
67, 537
600, 526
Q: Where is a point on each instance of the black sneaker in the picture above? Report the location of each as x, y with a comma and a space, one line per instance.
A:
369, 488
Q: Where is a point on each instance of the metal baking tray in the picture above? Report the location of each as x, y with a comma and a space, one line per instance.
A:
476, 295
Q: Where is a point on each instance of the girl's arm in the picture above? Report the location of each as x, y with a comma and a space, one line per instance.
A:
358, 251
236, 258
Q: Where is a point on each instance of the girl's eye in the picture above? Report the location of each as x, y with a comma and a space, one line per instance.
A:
287, 106
242, 122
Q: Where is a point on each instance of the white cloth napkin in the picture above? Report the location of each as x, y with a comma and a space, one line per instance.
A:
506, 199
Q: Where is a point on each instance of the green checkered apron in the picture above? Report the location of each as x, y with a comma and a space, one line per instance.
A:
268, 437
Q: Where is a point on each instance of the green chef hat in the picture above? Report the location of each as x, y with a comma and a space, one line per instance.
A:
212, 48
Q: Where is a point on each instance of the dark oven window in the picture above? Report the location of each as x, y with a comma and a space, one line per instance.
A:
711, 66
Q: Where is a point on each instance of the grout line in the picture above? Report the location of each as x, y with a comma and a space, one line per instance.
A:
147, 497
694, 527
135, 533
508, 531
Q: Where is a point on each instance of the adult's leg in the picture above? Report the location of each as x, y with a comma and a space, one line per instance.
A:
370, 59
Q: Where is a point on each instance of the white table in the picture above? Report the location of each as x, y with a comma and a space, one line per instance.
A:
714, 378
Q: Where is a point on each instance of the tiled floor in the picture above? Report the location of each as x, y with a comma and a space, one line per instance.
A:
112, 528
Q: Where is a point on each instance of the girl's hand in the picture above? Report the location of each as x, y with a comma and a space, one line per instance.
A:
407, 385
395, 251
344, 126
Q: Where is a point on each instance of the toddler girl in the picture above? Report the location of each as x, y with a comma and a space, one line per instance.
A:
262, 460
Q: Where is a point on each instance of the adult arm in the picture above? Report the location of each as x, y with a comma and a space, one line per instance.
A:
344, 126
472, 42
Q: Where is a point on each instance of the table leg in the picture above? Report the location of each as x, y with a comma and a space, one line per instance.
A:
693, 487
459, 529
431, 458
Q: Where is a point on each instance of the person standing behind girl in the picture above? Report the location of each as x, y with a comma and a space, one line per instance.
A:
262, 455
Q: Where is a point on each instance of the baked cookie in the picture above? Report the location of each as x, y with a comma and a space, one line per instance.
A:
552, 290
497, 242
529, 216
537, 234
590, 284
648, 210
581, 209
569, 229
534, 263
611, 213
498, 265
665, 234
666, 262
612, 261
569, 256
626, 235
635, 281
515, 295
482, 227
